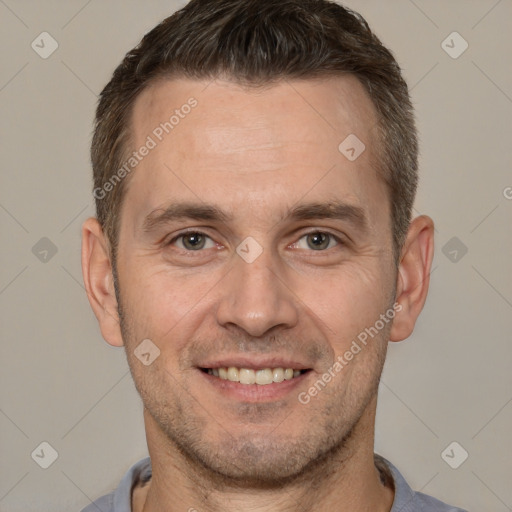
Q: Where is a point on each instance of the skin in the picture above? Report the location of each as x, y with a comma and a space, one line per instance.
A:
256, 154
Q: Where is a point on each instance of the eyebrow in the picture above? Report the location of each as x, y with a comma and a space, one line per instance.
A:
336, 210
177, 211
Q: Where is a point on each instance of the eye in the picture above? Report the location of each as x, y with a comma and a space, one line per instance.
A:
193, 241
317, 241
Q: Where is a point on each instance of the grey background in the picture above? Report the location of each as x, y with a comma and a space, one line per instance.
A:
61, 383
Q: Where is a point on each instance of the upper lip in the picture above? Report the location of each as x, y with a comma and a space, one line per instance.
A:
254, 363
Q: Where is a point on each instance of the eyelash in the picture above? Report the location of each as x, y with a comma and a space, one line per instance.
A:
339, 241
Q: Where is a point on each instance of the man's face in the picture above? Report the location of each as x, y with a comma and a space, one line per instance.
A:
265, 279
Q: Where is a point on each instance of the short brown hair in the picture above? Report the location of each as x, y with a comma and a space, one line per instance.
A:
258, 42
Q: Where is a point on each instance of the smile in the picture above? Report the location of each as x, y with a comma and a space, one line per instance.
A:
262, 376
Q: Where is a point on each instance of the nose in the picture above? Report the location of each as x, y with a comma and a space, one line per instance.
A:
256, 298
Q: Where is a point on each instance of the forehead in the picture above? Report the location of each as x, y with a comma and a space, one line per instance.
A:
337, 105
220, 142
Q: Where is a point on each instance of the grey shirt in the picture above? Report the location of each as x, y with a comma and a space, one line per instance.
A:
406, 500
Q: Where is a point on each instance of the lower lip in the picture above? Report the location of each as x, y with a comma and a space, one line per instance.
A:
253, 393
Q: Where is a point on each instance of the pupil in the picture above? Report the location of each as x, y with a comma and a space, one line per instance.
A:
318, 241
194, 240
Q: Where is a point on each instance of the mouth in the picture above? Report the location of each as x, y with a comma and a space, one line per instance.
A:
258, 376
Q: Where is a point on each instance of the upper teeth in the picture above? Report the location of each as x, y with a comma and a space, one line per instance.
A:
250, 376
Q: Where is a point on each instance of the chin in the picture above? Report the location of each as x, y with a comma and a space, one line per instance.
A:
262, 463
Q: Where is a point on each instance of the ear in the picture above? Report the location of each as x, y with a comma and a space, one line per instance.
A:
99, 281
413, 276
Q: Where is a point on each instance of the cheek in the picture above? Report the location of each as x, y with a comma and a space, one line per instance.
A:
353, 299
161, 305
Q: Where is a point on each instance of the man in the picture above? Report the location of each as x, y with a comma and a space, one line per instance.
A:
255, 166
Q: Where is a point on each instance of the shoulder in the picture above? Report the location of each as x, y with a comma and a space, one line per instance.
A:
428, 503
103, 504
407, 500
120, 499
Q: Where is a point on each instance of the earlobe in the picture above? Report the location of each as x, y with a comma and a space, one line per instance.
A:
98, 280
413, 276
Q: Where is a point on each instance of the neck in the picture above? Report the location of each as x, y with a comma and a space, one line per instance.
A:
346, 480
